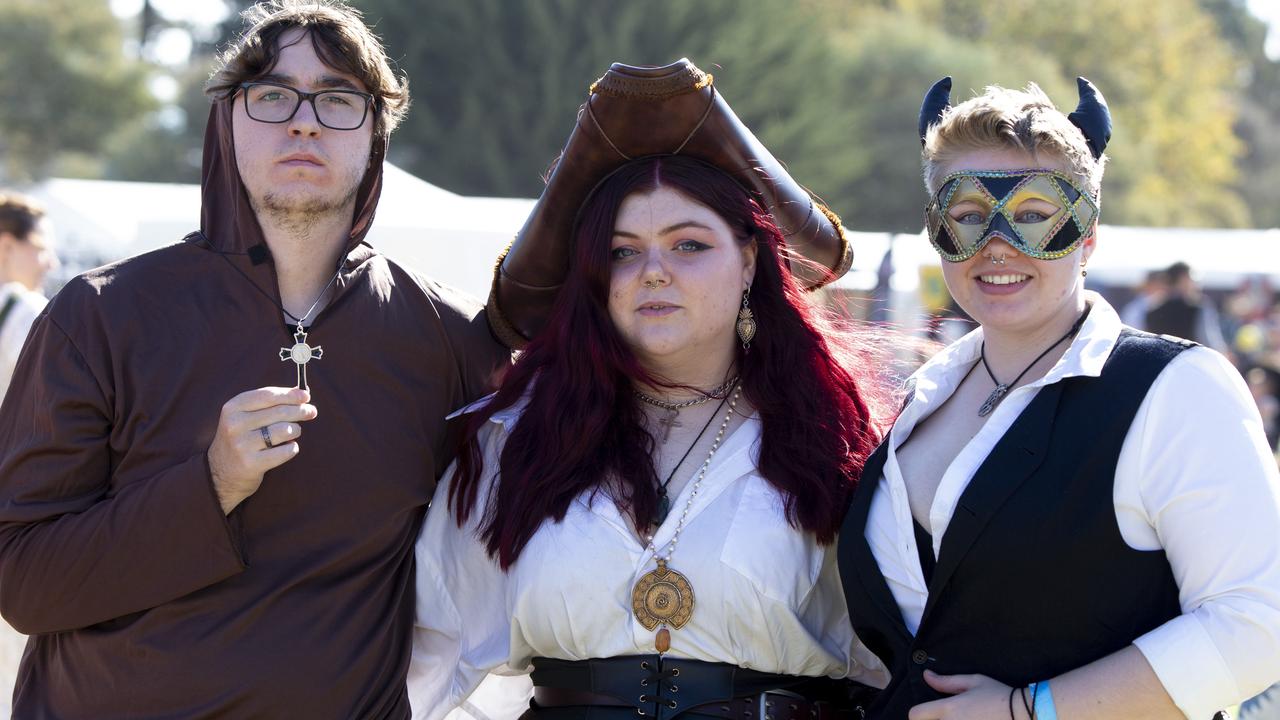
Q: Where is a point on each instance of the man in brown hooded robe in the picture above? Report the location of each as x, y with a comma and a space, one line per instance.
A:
184, 534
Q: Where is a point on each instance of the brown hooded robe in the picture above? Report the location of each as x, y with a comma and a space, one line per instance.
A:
142, 599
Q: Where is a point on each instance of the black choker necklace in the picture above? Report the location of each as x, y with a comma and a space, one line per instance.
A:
1002, 389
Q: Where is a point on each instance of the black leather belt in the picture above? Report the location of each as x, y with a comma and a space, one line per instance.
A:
666, 688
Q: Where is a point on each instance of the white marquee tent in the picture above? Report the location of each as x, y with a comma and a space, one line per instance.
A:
456, 239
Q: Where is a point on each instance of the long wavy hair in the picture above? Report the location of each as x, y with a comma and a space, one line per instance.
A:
582, 430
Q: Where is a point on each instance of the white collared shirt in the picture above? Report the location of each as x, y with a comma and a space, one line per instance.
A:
768, 597
1195, 478
13, 334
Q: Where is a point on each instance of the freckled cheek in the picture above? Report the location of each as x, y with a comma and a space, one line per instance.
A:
713, 309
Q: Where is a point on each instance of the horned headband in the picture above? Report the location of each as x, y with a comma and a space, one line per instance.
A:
1091, 114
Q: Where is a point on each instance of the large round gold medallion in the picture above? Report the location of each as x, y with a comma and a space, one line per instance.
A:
662, 596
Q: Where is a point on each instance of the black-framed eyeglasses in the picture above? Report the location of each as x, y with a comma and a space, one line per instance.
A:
335, 109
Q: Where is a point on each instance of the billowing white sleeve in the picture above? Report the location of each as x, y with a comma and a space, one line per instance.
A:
462, 628
1198, 467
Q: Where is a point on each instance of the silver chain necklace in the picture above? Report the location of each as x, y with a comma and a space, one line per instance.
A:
663, 596
669, 420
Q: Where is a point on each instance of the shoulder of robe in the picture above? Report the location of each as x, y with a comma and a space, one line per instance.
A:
450, 300
107, 294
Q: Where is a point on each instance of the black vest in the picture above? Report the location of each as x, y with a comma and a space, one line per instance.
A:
1033, 577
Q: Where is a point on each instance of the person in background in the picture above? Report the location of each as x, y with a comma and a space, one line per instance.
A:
1262, 387
1186, 312
27, 256
1152, 292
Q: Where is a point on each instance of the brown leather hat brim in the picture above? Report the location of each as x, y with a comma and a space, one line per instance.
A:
638, 112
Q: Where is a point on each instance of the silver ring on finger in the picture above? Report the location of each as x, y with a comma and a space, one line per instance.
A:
266, 437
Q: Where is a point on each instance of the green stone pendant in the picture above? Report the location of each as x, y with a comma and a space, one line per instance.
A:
664, 508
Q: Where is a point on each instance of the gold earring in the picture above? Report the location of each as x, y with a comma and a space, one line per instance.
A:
746, 322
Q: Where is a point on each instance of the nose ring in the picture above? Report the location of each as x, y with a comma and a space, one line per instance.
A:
995, 260
651, 284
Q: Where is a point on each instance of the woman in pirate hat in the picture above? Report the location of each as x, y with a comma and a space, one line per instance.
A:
644, 514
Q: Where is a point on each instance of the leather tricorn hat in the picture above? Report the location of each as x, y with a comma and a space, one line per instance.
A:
638, 112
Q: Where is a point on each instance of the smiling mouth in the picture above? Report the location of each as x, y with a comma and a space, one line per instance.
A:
1004, 279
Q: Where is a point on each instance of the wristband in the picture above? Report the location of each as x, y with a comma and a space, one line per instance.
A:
1044, 707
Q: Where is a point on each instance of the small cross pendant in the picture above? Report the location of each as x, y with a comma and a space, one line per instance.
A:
301, 353
669, 421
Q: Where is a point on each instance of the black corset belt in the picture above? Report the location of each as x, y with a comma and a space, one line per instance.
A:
652, 686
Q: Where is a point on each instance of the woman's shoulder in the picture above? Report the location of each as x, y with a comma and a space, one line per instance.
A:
1199, 372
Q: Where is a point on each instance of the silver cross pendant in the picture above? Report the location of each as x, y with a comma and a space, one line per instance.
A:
301, 353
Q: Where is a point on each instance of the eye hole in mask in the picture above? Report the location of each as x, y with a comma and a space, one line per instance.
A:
1042, 213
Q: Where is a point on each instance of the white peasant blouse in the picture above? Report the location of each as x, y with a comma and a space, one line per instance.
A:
767, 597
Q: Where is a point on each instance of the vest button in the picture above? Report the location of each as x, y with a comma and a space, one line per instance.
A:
919, 657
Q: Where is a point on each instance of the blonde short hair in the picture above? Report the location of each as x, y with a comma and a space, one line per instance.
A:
1004, 119
341, 39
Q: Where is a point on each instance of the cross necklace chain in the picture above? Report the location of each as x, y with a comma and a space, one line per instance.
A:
302, 353
671, 418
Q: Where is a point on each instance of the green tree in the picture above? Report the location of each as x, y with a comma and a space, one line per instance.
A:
1258, 123
165, 146
497, 84
1170, 80
891, 63
65, 83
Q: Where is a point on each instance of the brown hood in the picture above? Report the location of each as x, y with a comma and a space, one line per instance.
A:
227, 220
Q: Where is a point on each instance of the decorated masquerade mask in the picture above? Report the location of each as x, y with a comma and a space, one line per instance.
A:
1042, 213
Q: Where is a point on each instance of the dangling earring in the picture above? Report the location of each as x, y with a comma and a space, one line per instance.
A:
1083, 272
746, 322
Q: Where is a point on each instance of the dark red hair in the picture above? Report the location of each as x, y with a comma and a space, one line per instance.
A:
582, 430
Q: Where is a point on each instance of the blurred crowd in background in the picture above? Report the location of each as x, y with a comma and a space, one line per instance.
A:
1242, 323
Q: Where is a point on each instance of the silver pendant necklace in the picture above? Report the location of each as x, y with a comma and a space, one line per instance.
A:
302, 353
1002, 389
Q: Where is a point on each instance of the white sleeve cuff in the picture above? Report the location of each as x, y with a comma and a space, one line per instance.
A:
1190, 667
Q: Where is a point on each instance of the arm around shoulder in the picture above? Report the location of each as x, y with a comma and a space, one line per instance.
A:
481, 357
463, 625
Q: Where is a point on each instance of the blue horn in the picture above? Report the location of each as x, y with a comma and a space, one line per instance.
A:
936, 102
1092, 117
